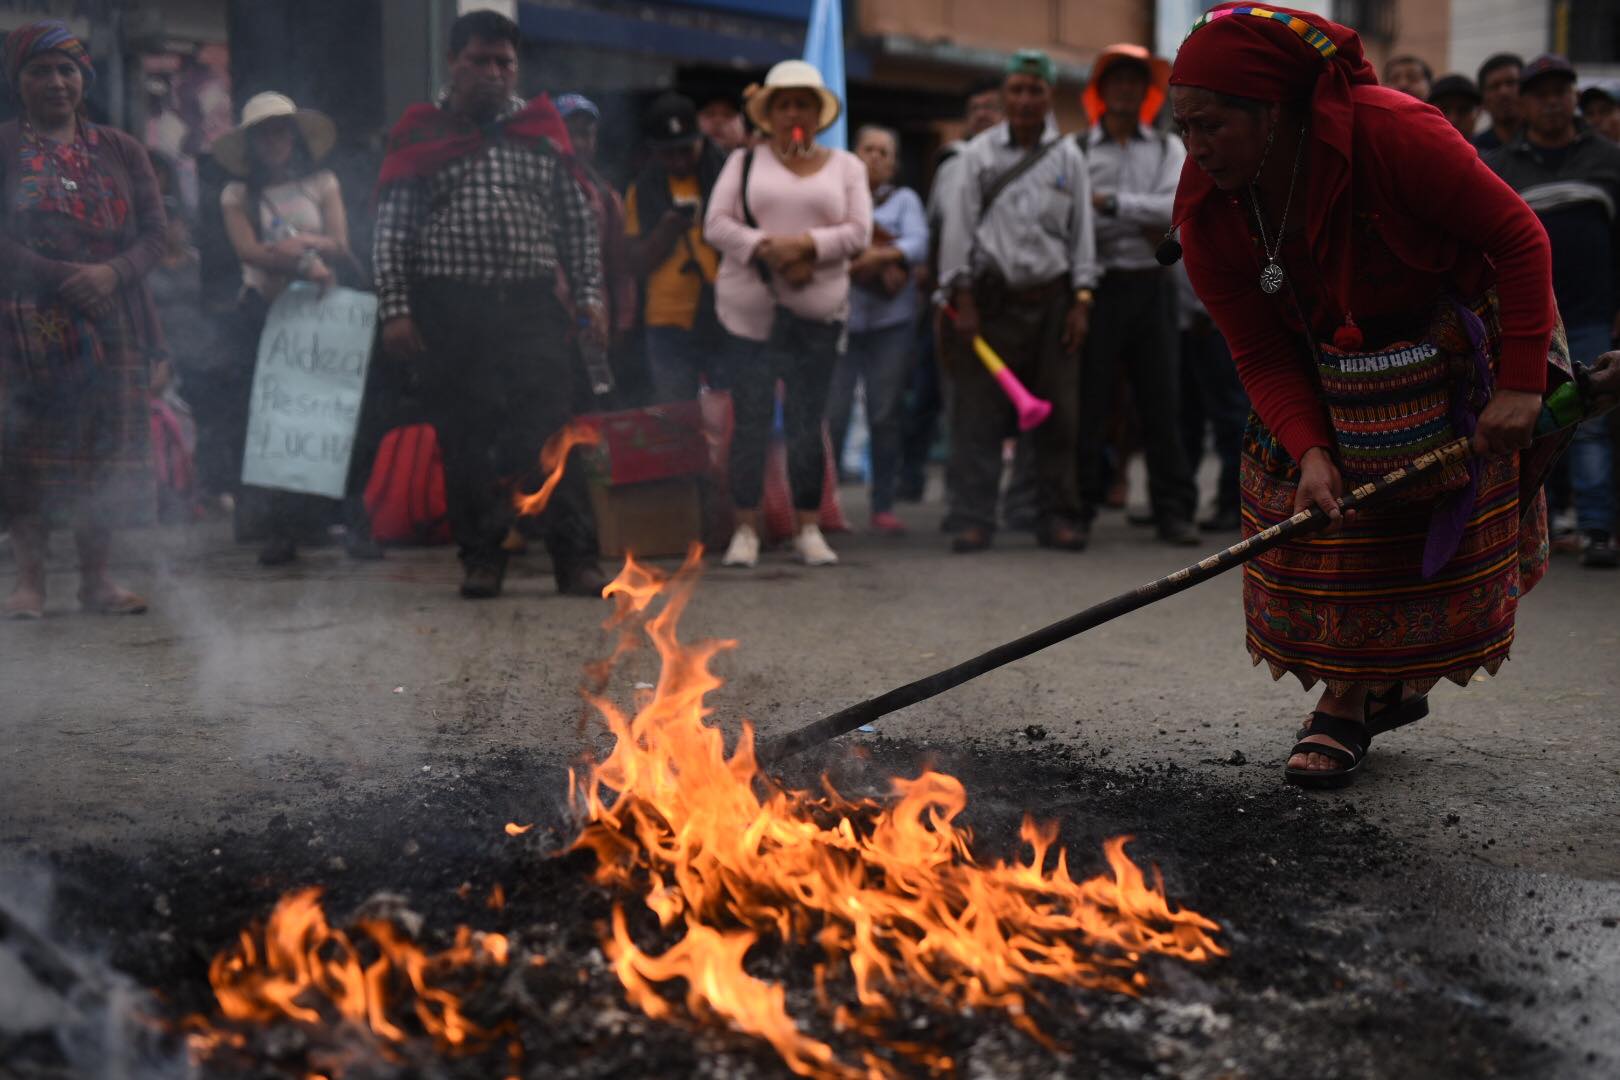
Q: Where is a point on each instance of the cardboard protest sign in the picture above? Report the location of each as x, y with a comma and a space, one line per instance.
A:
307, 389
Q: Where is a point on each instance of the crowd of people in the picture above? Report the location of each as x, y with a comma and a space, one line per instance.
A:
1560, 150
516, 283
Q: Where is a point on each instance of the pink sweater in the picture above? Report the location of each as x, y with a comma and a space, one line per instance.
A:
833, 205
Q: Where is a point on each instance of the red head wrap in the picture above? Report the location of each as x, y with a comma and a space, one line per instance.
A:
1278, 54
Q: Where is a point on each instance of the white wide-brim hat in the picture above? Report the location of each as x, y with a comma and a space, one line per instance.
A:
793, 75
231, 148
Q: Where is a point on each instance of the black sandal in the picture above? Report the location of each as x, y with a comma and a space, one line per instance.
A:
1395, 712
1356, 740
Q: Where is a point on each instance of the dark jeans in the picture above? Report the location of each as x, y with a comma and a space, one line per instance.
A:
880, 360
1212, 394
500, 378
1590, 456
1029, 338
676, 362
920, 424
1133, 331
753, 368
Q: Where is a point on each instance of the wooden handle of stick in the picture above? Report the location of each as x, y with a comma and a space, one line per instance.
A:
1301, 524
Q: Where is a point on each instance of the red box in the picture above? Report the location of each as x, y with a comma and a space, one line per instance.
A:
659, 442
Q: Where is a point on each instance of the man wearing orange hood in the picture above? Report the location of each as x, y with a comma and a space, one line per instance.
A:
1134, 170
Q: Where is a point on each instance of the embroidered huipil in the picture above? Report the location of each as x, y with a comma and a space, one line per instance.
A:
1429, 218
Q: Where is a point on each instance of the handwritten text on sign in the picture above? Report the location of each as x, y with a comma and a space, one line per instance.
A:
307, 390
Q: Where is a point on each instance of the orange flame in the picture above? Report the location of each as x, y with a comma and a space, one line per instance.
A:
890, 891
553, 462
299, 968
514, 829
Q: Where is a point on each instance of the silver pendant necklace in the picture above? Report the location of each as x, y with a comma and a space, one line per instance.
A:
1272, 277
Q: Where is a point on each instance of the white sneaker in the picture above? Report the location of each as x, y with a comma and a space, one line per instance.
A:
813, 548
744, 548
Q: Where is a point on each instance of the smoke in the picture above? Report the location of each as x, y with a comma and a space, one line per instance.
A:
265, 669
63, 1012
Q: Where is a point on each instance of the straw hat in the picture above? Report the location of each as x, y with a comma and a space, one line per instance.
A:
1158, 69
793, 75
231, 148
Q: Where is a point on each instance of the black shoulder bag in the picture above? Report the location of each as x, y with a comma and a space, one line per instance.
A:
1010, 177
990, 286
791, 333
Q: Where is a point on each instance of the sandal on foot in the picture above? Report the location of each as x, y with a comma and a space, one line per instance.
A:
1353, 737
22, 610
116, 602
1395, 712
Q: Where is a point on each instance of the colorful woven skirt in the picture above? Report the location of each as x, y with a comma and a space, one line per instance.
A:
75, 418
1351, 607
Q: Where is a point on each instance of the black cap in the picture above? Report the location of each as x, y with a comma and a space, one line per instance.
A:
1454, 86
671, 119
1546, 66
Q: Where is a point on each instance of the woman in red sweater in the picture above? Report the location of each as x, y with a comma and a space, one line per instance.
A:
1383, 292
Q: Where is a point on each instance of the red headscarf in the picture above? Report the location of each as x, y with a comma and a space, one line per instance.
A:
1278, 54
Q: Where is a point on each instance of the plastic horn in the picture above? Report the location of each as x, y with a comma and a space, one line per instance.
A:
1032, 411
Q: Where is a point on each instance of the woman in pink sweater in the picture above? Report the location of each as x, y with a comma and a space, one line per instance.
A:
786, 217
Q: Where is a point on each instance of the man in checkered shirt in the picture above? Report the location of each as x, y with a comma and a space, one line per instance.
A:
479, 215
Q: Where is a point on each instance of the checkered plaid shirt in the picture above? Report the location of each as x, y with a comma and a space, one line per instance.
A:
511, 212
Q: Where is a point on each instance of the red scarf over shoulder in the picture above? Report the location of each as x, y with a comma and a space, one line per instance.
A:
427, 138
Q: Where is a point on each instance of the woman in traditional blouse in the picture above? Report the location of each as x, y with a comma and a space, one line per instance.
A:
1383, 292
787, 217
83, 223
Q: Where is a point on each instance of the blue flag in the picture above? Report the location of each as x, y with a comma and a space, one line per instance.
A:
824, 47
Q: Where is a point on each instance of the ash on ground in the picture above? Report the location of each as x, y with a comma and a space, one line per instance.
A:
1350, 955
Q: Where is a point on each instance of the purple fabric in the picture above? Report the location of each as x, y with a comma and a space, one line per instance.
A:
1451, 514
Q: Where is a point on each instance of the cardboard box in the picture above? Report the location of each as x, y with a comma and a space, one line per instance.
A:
644, 479
649, 519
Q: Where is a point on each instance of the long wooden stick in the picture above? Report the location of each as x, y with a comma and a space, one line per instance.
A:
1301, 524
1594, 390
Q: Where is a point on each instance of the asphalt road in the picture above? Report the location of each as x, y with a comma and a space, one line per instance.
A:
249, 693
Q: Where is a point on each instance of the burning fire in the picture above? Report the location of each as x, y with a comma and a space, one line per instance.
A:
298, 968
889, 892
553, 462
